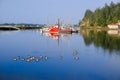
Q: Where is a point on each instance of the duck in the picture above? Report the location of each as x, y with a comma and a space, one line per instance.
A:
76, 58
45, 57
28, 60
41, 56
61, 57
15, 59
18, 57
36, 59
22, 58
33, 57
29, 56
75, 52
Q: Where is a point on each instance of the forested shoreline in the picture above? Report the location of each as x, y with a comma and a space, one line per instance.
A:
101, 17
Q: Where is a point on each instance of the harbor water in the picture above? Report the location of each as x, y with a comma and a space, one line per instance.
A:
31, 55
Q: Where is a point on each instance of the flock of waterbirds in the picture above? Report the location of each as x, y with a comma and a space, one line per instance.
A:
30, 58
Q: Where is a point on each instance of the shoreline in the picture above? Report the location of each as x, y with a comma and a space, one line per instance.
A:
94, 28
10, 28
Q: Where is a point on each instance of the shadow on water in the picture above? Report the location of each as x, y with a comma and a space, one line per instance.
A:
108, 40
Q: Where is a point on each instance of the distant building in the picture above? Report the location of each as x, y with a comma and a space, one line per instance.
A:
114, 26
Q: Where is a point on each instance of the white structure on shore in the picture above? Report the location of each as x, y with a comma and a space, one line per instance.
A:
114, 26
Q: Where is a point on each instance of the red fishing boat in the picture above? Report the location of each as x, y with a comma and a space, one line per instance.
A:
54, 29
58, 29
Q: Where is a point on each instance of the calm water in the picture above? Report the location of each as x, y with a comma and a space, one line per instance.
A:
88, 55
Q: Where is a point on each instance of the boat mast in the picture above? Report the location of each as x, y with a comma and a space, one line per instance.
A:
58, 23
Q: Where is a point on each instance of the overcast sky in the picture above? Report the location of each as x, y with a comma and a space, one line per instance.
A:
41, 11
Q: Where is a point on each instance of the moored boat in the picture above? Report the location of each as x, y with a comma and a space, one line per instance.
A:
65, 30
57, 28
60, 29
45, 29
54, 29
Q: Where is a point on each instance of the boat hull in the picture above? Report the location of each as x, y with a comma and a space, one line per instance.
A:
57, 30
65, 31
54, 30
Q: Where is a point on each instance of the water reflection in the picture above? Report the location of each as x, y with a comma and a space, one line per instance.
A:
113, 32
56, 35
73, 58
108, 40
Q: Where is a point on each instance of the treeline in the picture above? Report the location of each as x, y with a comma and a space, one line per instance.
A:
109, 14
22, 25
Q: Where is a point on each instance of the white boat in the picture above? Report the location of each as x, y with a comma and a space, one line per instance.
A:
45, 29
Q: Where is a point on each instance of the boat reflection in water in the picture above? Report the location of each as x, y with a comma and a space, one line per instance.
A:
56, 35
62, 37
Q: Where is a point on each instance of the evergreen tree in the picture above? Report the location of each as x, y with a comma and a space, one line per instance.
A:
109, 14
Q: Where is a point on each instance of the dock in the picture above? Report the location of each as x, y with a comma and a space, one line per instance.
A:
9, 28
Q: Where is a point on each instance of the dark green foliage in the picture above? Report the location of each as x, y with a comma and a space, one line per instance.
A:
88, 14
109, 14
102, 39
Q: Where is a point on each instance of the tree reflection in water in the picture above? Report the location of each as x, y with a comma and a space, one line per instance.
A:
108, 40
